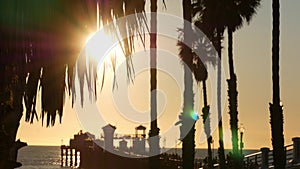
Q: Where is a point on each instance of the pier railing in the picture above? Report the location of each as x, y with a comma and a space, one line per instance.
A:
70, 156
264, 158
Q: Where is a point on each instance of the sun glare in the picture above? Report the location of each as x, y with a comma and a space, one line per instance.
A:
89, 37
99, 45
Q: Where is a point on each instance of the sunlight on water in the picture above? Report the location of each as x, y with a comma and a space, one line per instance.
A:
39, 157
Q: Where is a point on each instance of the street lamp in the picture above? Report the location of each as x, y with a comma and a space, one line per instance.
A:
242, 130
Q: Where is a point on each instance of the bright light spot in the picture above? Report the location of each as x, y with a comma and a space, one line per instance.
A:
99, 45
242, 128
89, 37
195, 115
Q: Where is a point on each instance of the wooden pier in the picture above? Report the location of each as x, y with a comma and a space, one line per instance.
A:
83, 152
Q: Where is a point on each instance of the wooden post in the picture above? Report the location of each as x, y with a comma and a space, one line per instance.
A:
61, 156
296, 149
255, 160
265, 158
75, 162
71, 156
66, 154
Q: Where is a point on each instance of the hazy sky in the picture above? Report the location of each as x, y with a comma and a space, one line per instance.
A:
252, 59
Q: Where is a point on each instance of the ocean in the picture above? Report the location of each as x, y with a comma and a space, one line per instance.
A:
39, 157
48, 157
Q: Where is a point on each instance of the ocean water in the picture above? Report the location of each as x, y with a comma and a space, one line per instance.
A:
48, 157
39, 157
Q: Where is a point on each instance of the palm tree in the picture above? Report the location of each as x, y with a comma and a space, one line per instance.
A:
211, 18
238, 11
154, 132
221, 150
188, 141
276, 110
206, 123
137, 8
192, 66
205, 110
37, 51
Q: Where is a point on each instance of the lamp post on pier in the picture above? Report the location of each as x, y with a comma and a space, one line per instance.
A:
242, 130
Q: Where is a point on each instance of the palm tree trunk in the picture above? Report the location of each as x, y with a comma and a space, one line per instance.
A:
230, 52
206, 122
275, 108
221, 152
12, 75
188, 142
11, 108
154, 131
232, 93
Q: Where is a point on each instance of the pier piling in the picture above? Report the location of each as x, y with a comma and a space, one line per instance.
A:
69, 156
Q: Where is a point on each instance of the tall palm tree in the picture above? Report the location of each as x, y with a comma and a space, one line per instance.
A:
221, 150
206, 122
211, 17
276, 110
137, 7
238, 11
192, 66
154, 131
205, 110
188, 123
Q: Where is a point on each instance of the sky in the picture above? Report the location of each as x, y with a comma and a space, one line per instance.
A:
252, 60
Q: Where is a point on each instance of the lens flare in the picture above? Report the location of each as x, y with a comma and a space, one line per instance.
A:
195, 115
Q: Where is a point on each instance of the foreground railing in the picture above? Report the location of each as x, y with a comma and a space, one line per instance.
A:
264, 158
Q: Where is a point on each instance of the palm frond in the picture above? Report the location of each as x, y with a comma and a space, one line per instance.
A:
44, 34
103, 76
194, 63
52, 89
248, 8
31, 94
50, 58
203, 53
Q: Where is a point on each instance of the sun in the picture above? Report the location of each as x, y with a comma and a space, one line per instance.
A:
100, 45
88, 37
